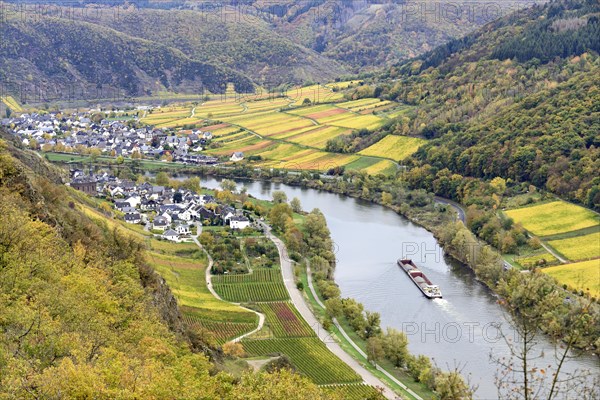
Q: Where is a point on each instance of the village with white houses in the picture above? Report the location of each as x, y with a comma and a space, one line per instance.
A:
118, 134
171, 214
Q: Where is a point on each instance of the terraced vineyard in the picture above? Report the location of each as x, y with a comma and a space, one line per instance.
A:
309, 355
261, 285
284, 321
222, 332
355, 392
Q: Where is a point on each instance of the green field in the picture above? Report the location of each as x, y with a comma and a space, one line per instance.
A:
394, 147
584, 275
284, 321
554, 218
309, 355
580, 247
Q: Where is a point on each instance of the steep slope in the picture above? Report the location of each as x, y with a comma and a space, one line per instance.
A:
80, 310
62, 58
517, 99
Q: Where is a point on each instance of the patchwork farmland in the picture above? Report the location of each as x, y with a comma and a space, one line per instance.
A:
291, 129
572, 233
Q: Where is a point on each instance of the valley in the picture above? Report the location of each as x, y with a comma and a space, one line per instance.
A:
208, 199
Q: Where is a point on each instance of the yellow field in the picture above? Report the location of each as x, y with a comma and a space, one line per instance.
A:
168, 117
394, 147
248, 144
215, 109
553, 218
317, 136
289, 156
304, 111
363, 104
12, 103
579, 248
315, 93
583, 275
354, 121
343, 85
384, 167
268, 104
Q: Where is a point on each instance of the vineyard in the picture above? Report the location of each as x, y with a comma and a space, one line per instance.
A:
284, 321
11, 103
355, 392
309, 355
394, 147
285, 131
221, 332
261, 285
252, 292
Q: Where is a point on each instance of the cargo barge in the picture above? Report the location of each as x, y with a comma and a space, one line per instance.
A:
430, 290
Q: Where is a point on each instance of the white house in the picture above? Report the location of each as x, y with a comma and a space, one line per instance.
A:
183, 229
160, 224
134, 201
185, 215
237, 156
239, 222
133, 218
171, 235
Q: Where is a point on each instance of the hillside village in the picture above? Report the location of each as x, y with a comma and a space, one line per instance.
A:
171, 214
84, 133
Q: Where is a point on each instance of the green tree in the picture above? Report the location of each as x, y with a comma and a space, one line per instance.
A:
228, 185
192, 184
279, 216
279, 197
162, 179
296, 205
395, 346
374, 349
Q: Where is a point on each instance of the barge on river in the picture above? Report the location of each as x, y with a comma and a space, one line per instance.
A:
430, 290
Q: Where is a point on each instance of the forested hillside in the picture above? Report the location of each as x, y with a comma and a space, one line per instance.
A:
83, 316
518, 99
63, 58
244, 43
274, 43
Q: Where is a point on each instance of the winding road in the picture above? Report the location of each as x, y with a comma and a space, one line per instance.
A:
299, 302
459, 209
208, 277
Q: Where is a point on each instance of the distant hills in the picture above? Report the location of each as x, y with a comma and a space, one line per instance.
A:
146, 47
62, 58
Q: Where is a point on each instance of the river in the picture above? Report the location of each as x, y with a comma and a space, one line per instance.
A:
456, 331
